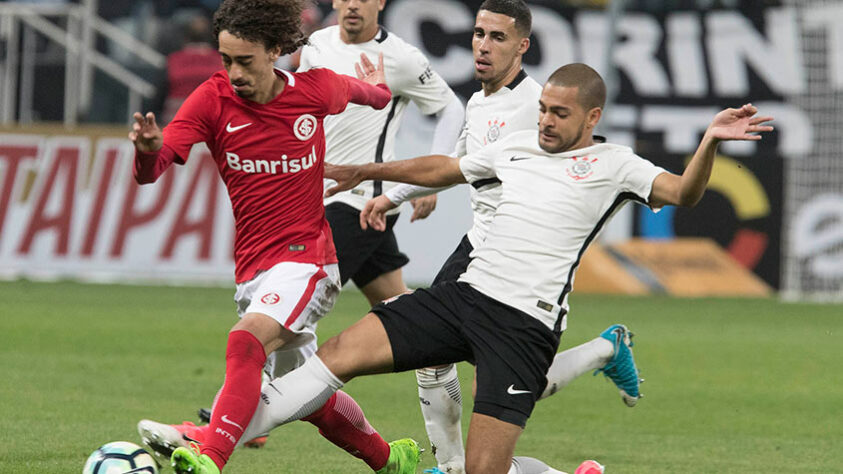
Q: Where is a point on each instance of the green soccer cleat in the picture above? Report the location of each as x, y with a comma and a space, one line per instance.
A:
187, 461
404, 457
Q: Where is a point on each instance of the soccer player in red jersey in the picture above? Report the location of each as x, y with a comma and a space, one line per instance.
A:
264, 129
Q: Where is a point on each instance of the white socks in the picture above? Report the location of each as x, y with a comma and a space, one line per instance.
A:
441, 406
572, 363
293, 396
525, 465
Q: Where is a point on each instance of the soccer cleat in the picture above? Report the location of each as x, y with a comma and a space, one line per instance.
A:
188, 461
621, 369
590, 467
163, 439
434, 470
404, 456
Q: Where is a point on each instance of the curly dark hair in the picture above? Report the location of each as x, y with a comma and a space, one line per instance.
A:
275, 23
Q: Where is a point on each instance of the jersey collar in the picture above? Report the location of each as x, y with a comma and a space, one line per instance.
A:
291, 80
380, 37
518, 79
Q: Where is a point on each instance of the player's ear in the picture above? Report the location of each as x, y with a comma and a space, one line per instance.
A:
524, 46
593, 117
275, 53
381, 5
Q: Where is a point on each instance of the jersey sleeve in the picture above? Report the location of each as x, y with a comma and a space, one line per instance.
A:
461, 148
333, 89
636, 176
193, 122
305, 62
480, 165
421, 84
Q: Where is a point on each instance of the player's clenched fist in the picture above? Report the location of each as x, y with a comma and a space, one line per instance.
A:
145, 133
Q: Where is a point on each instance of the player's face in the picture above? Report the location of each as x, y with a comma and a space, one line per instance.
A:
563, 122
358, 16
497, 46
249, 66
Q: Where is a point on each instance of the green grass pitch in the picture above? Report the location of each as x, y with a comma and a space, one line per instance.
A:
732, 385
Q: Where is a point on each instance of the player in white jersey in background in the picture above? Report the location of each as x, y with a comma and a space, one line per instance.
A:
505, 104
361, 135
507, 311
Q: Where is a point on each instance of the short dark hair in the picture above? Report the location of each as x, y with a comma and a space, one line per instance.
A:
516, 9
275, 23
592, 89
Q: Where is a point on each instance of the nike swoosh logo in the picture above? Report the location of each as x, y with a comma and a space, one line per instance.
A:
519, 158
225, 419
512, 390
229, 128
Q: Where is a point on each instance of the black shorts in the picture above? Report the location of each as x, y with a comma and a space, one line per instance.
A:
363, 254
453, 322
456, 264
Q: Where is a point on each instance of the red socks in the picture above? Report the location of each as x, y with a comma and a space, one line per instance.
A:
342, 422
238, 398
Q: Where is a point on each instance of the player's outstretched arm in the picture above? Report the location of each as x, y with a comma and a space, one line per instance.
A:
688, 189
430, 171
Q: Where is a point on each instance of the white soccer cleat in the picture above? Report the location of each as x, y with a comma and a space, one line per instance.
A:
163, 439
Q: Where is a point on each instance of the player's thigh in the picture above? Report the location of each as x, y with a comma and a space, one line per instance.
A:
384, 260
354, 245
362, 349
424, 327
490, 445
295, 295
384, 287
512, 352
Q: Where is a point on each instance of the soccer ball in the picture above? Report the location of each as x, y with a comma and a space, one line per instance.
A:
120, 457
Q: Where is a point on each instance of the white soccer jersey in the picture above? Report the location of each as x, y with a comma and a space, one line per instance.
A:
551, 207
513, 108
362, 134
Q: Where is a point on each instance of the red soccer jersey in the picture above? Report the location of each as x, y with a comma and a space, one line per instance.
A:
270, 157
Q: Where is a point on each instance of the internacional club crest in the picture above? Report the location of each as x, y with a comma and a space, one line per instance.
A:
581, 168
270, 298
305, 127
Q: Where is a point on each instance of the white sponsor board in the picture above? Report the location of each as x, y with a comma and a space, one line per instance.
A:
70, 207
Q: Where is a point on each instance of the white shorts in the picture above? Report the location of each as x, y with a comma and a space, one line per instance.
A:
297, 295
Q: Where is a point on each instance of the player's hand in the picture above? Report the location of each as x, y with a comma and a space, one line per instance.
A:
422, 207
145, 133
374, 213
347, 177
368, 72
738, 124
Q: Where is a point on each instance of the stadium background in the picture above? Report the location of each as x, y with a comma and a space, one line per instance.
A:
733, 385
669, 70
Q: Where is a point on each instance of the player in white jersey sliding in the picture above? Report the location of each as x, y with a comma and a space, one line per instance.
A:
507, 311
505, 104
362, 135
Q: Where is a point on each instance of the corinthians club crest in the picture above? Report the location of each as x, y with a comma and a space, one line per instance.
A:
494, 131
580, 168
